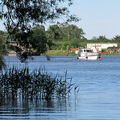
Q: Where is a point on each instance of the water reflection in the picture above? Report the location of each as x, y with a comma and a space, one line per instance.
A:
33, 109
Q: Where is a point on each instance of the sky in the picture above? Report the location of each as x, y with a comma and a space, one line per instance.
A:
98, 17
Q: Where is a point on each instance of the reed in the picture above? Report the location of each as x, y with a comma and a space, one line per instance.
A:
36, 84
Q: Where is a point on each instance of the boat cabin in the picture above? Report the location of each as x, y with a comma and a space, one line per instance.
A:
86, 50
87, 54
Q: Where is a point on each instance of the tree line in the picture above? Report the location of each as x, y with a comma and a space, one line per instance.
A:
57, 37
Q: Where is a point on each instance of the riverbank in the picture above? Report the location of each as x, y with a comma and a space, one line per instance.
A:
49, 53
111, 54
70, 53
59, 53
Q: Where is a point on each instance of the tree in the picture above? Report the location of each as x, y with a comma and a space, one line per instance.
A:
20, 16
2, 52
66, 34
116, 38
54, 32
100, 39
39, 40
72, 32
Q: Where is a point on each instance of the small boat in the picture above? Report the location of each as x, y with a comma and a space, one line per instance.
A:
88, 54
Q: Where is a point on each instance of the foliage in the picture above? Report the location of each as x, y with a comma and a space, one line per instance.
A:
2, 49
65, 32
72, 32
68, 34
61, 37
100, 39
36, 40
39, 40
116, 39
54, 32
60, 53
20, 16
34, 84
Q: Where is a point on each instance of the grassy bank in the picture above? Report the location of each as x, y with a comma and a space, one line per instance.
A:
63, 53
69, 53
60, 53
111, 54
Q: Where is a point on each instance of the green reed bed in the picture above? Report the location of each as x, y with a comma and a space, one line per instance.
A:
37, 84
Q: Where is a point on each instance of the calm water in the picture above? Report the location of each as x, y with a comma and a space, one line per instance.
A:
98, 97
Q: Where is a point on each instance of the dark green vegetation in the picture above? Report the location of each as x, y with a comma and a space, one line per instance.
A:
59, 53
60, 37
38, 84
65, 36
21, 16
2, 48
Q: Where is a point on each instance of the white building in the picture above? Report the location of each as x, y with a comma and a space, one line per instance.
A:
99, 46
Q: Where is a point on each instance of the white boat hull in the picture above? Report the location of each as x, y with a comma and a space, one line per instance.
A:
88, 58
87, 54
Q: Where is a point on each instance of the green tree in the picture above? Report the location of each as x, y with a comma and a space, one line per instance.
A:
39, 40
54, 32
20, 16
116, 38
2, 51
100, 39
68, 34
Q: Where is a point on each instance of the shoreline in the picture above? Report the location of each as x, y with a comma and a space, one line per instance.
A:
57, 53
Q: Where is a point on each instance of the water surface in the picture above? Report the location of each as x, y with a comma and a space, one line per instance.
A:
98, 97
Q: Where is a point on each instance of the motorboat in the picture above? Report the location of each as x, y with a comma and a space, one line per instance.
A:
88, 54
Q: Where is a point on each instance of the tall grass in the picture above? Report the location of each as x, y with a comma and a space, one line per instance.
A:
37, 84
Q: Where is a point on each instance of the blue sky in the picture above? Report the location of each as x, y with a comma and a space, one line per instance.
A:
98, 17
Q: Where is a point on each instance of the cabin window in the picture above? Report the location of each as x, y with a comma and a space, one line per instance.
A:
88, 50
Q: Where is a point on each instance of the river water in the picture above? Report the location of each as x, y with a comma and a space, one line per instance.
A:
98, 97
